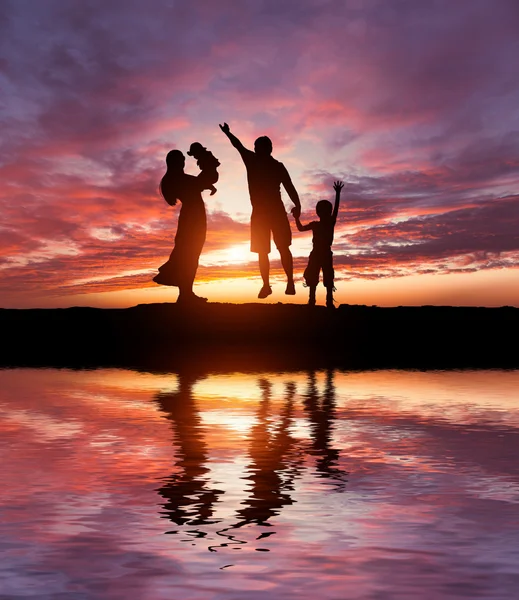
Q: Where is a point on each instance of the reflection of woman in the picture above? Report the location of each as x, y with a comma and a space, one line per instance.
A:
189, 499
180, 269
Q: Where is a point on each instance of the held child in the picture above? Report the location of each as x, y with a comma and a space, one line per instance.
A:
321, 256
205, 160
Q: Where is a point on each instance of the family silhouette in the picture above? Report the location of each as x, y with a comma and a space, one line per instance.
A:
275, 460
269, 219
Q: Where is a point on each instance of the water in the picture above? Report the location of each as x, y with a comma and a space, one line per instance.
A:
117, 484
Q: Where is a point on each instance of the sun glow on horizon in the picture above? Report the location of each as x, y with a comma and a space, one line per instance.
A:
483, 288
232, 255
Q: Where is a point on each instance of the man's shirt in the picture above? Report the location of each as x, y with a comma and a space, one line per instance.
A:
265, 175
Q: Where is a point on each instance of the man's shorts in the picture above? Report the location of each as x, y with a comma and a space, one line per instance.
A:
319, 260
263, 222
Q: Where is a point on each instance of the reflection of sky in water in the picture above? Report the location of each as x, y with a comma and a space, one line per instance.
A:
343, 485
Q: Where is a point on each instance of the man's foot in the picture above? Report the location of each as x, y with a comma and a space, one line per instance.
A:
291, 289
311, 302
329, 303
265, 291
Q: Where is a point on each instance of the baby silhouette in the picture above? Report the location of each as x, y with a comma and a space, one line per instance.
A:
205, 161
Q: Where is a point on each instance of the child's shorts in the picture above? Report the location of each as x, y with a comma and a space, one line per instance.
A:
316, 262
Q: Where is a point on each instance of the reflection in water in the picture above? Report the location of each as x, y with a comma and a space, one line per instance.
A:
190, 500
321, 413
275, 457
331, 484
274, 460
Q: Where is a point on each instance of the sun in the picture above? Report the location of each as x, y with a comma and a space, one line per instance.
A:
236, 254
239, 253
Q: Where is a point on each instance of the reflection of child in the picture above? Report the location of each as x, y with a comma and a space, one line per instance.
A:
205, 161
321, 256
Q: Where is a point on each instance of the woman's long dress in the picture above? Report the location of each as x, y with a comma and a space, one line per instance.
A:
180, 269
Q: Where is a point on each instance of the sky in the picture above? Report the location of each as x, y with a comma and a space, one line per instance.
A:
413, 104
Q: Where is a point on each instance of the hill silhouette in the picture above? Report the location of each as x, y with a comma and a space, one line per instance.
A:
223, 337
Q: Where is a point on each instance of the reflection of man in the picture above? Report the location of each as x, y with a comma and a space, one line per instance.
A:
274, 460
265, 175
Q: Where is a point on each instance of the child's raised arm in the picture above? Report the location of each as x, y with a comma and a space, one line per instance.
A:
299, 225
337, 186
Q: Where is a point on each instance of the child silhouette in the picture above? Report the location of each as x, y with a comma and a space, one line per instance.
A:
321, 256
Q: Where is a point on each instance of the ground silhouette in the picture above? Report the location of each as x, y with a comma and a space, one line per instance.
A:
252, 337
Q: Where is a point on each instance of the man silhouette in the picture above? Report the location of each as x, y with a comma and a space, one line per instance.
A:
265, 175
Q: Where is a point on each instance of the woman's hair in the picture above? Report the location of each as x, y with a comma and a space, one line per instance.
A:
175, 162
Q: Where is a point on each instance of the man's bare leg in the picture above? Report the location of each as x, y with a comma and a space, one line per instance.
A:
288, 265
264, 267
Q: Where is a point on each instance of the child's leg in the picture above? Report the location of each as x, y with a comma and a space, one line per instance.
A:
329, 297
311, 295
328, 279
311, 276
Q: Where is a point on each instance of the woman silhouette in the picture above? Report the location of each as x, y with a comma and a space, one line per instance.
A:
180, 269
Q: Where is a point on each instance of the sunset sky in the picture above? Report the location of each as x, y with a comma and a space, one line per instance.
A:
414, 104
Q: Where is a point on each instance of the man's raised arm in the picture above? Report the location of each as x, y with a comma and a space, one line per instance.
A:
292, 193
233, 139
